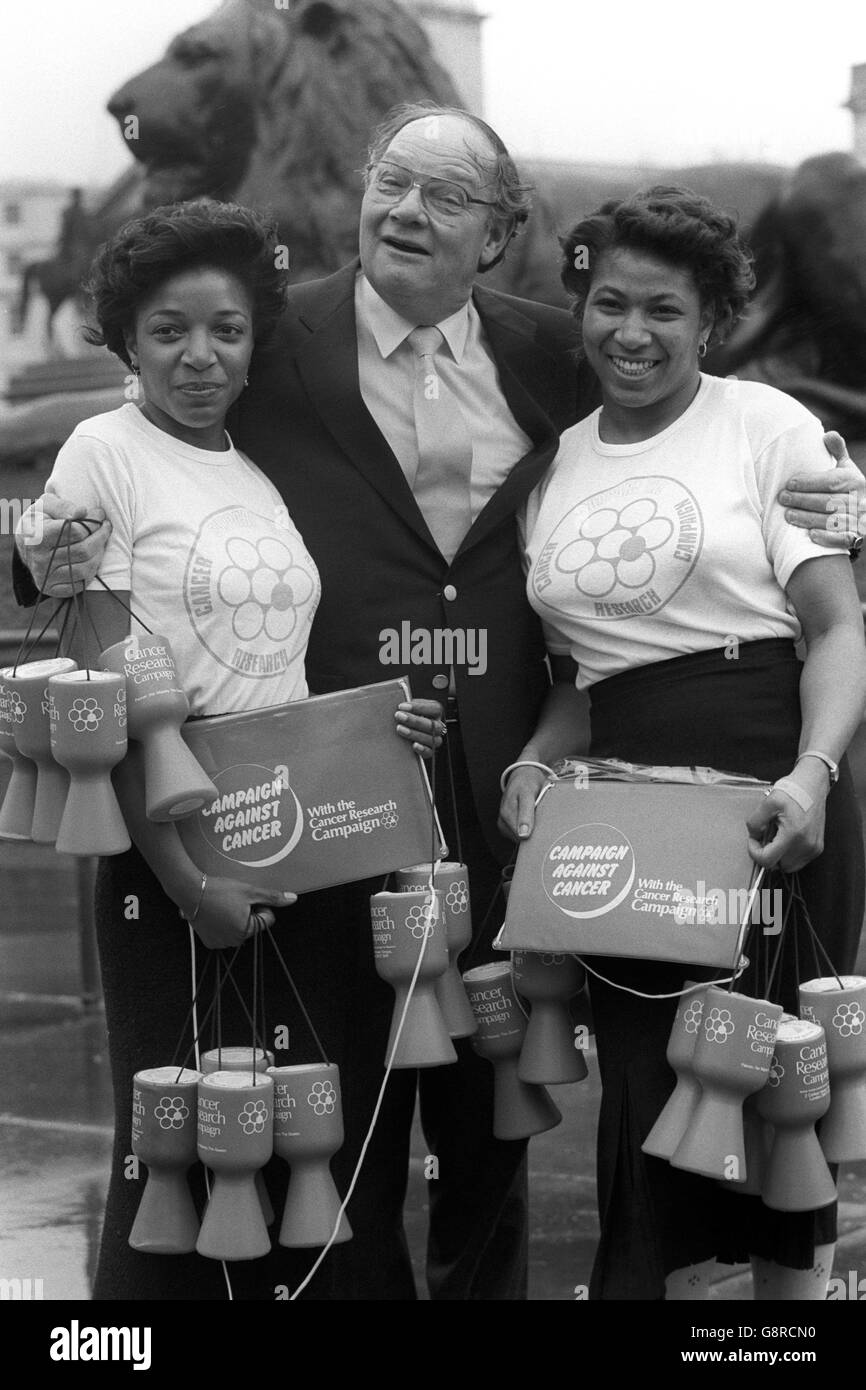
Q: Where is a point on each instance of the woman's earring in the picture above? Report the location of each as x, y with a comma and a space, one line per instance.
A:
135, 367
246, 381
702, 348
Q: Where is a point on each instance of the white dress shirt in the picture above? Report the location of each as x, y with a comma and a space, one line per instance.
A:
386, 368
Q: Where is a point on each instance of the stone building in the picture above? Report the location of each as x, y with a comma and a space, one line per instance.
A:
454, 30
856, 104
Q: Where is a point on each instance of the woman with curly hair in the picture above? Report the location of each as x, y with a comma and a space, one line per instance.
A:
674, 594
203, 551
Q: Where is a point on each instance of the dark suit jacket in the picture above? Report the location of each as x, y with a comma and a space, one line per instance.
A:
303, 422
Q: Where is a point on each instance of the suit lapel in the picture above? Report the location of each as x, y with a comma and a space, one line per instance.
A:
528, 376
328, 364
533, 380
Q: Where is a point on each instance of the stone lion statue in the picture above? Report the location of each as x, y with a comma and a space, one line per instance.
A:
806, 329
271, 103
272, 106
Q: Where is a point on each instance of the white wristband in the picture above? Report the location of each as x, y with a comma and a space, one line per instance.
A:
832, 768
795, 791
524, 762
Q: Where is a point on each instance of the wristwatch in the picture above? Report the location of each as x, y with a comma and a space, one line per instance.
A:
855, 548
832, 767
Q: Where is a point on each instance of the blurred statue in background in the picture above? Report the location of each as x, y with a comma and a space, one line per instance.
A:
272, 102
272, 106
59, 279
806, 330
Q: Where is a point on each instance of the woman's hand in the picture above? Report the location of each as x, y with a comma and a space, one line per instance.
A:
797, 835
517, 807
230, 911
421, 722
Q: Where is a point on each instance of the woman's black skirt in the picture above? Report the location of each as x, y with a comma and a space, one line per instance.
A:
737, 714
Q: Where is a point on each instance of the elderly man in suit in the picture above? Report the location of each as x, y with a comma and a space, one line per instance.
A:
405, 413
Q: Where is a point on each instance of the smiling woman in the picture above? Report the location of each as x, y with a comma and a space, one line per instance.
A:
656, 282
202, 551
643, 331
673, 591
180, 296
191, 343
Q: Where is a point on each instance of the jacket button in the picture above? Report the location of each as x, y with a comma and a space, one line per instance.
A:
440, 682
449, 592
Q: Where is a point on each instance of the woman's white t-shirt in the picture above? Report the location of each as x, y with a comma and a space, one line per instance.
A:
208, 552
645, 551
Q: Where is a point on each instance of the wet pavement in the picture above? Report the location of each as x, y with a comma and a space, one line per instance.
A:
56, 1117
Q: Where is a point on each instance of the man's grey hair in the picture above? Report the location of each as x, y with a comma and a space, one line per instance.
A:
513, 199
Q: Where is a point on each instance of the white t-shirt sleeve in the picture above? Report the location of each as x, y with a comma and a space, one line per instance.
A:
88, 471
796, 450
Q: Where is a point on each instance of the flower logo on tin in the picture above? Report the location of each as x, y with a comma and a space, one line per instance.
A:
253, 1116
171, 1112
848, 1019
85, 715
389, 820
777, 1071
718, 1025
418, 919
692, 1016
457, 897
322, 1098
17, 707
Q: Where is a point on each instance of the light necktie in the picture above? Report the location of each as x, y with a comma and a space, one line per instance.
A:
442, 483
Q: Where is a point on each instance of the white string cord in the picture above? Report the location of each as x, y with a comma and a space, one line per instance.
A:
692, 989
428, 929
198, 1069
675, 994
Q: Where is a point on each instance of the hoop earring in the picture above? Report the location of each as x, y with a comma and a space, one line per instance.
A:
702, 348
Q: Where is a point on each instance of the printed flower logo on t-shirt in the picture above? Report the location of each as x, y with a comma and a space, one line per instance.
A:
251, 592
264, 587
615, 547
620, 553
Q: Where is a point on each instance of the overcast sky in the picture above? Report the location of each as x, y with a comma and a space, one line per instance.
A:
676, 81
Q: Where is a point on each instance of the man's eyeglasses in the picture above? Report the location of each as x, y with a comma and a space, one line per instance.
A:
441, 198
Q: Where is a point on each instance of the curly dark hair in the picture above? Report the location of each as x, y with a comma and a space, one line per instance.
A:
151, 249
677, 226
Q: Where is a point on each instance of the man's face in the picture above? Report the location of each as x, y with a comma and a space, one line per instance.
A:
424, 263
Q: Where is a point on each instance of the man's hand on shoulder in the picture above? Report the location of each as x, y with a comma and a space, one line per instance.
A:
82, 544
831, 506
